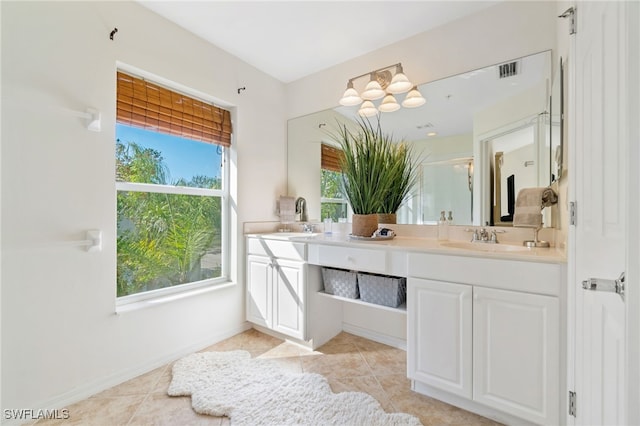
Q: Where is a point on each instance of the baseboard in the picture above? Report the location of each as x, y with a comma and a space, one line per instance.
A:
96, 386
375, 336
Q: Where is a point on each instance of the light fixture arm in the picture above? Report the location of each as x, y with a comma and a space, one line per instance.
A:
383, 83
375, 71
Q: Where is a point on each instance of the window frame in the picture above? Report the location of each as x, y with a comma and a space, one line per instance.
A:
223, 194
333, 200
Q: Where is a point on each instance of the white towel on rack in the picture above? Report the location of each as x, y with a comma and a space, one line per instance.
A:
529, 205
287, 209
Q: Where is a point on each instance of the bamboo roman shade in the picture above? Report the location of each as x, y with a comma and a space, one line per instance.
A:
143, 104
330, 158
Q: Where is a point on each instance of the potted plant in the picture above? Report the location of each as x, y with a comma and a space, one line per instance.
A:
402, 174
371, 164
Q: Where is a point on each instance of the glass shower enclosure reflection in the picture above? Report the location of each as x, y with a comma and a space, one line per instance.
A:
444, 185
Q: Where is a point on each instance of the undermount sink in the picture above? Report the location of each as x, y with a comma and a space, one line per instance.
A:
484, 246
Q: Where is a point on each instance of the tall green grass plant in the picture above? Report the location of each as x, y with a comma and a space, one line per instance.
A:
377, 172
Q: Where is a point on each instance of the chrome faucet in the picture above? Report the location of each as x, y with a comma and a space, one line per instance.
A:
308, 228
301, 209
482, 235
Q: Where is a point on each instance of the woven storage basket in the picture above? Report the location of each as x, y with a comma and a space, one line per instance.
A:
340, 283
382, 290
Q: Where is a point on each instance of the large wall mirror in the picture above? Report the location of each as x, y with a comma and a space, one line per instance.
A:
480, 137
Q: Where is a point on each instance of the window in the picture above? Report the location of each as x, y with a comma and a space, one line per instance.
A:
172, 190
332, 204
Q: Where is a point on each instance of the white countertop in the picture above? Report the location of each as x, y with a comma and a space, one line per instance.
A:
428, 245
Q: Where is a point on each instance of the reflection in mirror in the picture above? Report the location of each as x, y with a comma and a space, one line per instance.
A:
513, 160
448, 185
447, 133
556, 122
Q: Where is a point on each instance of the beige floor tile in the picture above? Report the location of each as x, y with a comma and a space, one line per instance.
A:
100, 411
230, 344
350, 364
164, 381
140, 385
366, 384
385, 360
396, 385
337, 346
159, 409
340, 365
283, 350
255, 340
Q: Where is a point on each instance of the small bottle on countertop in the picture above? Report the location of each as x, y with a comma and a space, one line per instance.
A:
443, 227
450, 218
328, 224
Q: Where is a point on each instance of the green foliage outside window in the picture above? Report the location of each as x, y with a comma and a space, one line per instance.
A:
330, 189
164, 239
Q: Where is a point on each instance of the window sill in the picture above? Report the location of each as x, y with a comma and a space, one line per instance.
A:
135, 306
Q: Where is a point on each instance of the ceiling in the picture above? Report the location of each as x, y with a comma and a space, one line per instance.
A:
292, 39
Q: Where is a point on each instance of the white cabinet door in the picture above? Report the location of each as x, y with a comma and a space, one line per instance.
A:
289, 298
516, 363
259, 272
276, 295
439, 335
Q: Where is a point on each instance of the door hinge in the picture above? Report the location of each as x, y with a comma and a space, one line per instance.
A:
573, 213
572, 403
571, 14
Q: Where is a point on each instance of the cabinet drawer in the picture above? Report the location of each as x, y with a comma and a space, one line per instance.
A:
359, 259
276, 248
541, 278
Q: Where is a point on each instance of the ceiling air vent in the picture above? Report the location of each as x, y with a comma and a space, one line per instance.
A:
508, 70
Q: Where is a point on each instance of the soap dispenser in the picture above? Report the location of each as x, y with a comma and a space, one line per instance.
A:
443, 227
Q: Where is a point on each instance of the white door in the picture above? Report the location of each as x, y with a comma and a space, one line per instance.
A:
601, 175
439, 335
516, 356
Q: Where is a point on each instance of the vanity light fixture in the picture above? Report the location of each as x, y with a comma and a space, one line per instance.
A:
351, 96
400, 83
368, 109
382, 84
413, 99
389, 104
373, 90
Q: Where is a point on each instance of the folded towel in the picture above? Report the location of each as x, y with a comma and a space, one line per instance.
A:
287, 209
527, 217
529, 205
533, 197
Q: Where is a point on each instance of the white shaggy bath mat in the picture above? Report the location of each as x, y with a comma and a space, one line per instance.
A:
259, 392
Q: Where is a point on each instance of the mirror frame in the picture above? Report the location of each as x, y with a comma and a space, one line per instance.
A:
557, 102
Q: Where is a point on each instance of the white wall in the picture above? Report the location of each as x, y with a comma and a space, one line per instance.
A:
61, 338
508, 30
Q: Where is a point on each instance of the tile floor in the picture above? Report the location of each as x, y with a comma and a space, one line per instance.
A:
349, 362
